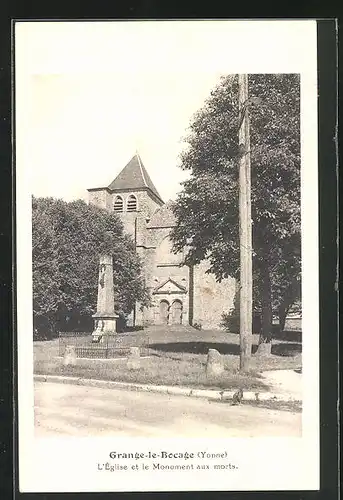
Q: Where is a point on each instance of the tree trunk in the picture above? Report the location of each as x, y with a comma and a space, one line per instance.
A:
282, 317
264, 347
290, 296
283, 311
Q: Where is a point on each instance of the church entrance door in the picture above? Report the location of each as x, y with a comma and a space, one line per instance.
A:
176, 312
164, 312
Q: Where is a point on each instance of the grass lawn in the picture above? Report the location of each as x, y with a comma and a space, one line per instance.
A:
178, 357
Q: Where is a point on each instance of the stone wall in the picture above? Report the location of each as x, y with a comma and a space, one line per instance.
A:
211, 299
102, 198
135, 222
146, 206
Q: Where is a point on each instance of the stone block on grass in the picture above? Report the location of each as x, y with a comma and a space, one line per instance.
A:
70, 358
133, 360
215, 364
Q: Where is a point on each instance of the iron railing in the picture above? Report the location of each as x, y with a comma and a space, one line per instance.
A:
109, 346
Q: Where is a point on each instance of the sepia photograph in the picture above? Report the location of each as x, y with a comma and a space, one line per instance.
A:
166, 202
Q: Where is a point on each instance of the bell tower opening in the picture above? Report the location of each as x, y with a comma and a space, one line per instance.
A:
118, 205
131, 205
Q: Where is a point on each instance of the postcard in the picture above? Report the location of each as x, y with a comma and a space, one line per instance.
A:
167, 255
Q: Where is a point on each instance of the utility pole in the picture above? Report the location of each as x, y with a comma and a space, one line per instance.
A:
245, 230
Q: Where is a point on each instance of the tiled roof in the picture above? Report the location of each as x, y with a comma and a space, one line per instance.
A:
134, 176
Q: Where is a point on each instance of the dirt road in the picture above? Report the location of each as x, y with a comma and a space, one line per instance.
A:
65, 409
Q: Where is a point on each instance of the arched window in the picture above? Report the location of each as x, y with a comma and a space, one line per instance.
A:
131, 203
118, 204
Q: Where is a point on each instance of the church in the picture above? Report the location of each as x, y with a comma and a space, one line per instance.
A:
180, 294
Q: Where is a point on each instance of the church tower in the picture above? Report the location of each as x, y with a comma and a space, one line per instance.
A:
132, 196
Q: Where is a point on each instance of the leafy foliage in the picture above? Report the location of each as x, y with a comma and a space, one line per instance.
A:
68, 239
207, 209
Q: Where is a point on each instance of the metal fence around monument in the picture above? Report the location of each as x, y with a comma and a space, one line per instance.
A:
109, 346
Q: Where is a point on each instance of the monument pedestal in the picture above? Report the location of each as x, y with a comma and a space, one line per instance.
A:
104, 324
105, 319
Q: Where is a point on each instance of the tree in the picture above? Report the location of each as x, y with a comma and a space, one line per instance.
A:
68, 239
207, 208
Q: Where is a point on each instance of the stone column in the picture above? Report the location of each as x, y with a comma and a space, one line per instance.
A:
105, 319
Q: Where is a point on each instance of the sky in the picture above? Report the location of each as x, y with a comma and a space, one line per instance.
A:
89, 95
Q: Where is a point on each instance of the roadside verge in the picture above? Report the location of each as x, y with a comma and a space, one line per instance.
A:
172, 390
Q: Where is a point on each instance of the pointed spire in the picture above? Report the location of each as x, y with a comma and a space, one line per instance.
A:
134, 176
